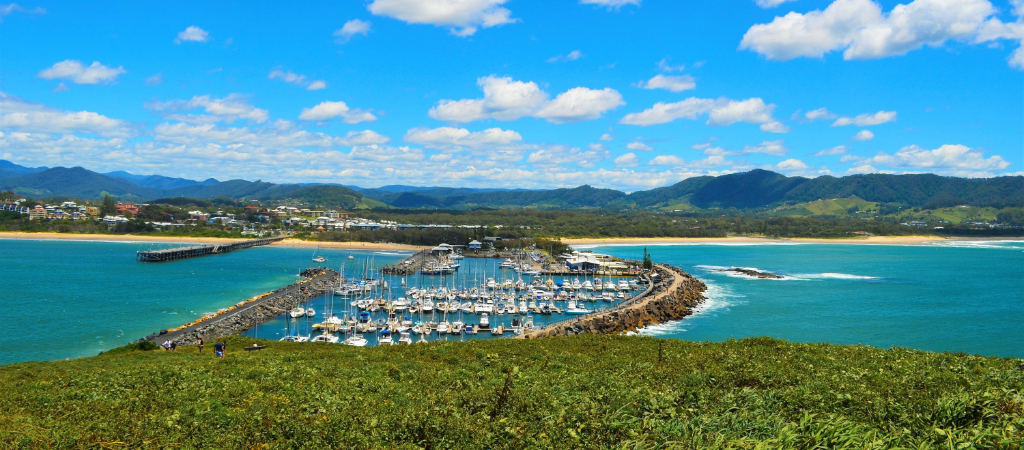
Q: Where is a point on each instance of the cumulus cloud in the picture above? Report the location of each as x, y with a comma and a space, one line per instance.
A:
351, 28
667, 160
461, 17
298, 80
19, 115
571, 56
365, 137
863, 135
611, 4
78, 73
721, 112
627, 160
447, 138
229, 109
639, 146
579, 104
864, 120
562, 155
671, 83
329, 110
193, 34
957, 160
863, 31
665, 65
819, 114
507, 99
777, 148
770, 3
607, 137
837, 150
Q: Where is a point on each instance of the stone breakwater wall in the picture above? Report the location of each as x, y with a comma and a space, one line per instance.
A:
672, 297
251, 312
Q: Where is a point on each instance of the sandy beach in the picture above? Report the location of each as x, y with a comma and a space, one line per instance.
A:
202, 240
876, 240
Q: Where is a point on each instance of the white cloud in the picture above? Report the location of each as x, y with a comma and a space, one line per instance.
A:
351, 28
865, 120
445, 138
791, 165
837, 150
506, 99
154, 80
774, 127
6, 10
298, 80
365, 137
721, 112
665, 65
329, 110
607, 137
861, 170
562, 155
627, 160
863, 135
777, 148
611, 4
863, 31
75, 71
580, 103
957, 160
770, 3
667, 160
461, 17
19, 115
192, 34
639, 146
572, 56
229, 109
671, 83
819, 114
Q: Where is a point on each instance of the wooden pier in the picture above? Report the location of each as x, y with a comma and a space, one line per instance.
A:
192, 251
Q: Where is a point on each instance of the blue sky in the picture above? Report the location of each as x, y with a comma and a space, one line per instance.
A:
626, 94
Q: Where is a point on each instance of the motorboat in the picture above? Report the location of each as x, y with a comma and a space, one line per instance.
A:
404, 338
574, 308
457, 327
623, 285
356, 340
385, 338
310, 312
485, 322
442, 327
328, 338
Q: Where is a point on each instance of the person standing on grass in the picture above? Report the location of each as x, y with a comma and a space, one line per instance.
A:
174, 346
219, 349
200, 345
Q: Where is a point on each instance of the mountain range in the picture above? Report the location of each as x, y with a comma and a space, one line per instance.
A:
754, 189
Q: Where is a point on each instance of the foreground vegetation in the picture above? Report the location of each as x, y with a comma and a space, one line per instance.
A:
579, 392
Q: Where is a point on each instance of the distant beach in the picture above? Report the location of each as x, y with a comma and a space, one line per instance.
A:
201, 240
877, 240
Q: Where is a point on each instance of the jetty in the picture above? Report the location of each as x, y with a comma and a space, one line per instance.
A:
192, 251
671, 294
251, 312
407, 266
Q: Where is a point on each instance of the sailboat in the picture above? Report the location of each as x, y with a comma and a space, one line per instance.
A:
318, 259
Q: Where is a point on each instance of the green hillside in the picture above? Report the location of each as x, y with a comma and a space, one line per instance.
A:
579, 392
828, 207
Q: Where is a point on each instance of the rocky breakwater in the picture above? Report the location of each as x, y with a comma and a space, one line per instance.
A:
673, 296
249, 313
753, 273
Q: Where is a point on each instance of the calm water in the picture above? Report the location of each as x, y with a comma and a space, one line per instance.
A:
964, 296
68, 299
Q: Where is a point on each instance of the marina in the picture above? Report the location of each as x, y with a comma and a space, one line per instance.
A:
450, 298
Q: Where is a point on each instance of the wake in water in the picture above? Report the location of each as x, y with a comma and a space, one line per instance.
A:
1007, 244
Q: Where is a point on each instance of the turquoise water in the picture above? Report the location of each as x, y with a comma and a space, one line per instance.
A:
956, 297
67, 299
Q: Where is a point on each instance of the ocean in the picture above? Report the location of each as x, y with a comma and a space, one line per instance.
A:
70, 299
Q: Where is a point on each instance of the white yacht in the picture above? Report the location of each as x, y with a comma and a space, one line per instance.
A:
310, 312
574, 308
356, 340
623, 285
485, 322
404, 338
328, 338
297, 312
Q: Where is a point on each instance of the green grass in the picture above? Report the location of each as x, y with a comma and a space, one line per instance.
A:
829, 207
958, 215
579, 392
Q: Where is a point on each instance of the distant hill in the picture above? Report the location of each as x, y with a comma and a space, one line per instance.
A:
75, 182
159, 181
9, 169
748, 190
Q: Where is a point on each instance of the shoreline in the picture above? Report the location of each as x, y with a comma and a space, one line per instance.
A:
873, 240
288, 242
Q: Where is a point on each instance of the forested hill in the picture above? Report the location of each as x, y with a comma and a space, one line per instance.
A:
747, 190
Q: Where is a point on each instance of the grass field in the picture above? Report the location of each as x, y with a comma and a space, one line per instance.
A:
578, 392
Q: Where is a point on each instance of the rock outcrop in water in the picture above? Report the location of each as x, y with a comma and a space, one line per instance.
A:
672, 297
753, 273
